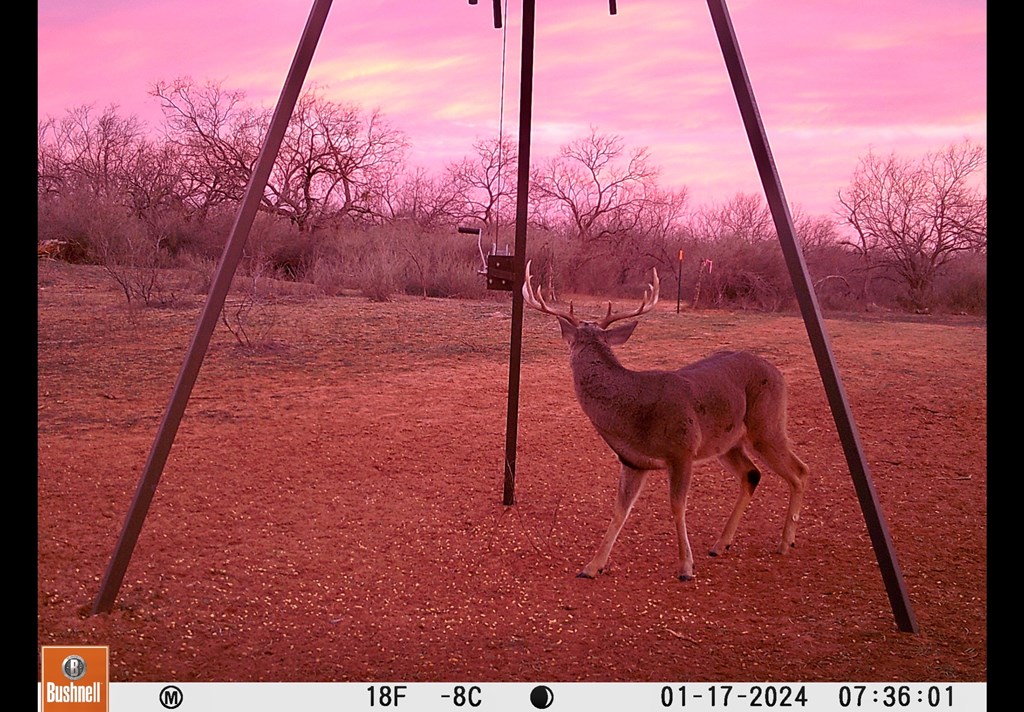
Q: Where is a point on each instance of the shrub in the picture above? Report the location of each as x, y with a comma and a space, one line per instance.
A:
72, 220
963, 287
378, 279
248, 313
742, 274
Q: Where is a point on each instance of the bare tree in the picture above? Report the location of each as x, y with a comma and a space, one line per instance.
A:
815, 232
217, 138
662, 213
415, 196
88, 152
653, 239
746, 219
50, 173
588, 189
153, 181
917, 216
334, 161
485, 184
366, 161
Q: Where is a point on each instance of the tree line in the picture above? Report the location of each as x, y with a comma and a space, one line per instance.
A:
343, 205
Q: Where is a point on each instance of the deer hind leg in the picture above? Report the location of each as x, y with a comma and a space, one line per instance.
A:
737, 462
679, 485
780, 457
630, 483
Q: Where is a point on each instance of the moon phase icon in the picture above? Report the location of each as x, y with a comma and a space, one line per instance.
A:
541, 696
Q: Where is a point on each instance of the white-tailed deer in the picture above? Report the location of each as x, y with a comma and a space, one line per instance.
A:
668, 420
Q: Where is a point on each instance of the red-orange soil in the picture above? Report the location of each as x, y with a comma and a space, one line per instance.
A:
331, 507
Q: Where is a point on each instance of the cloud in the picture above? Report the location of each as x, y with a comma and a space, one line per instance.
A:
832, 79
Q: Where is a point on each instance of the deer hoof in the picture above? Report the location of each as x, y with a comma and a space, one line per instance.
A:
685, 577
712, 553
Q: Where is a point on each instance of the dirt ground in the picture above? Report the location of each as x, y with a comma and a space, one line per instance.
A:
331, 506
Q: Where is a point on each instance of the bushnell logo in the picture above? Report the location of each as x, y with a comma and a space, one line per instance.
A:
73, 667
75, 678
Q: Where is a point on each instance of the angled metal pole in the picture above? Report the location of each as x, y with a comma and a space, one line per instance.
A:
114, 575
848, 435
519, 258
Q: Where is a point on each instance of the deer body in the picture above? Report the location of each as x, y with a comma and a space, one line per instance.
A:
647, 417
667, 420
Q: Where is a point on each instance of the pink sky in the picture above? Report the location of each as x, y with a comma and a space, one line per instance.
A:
833, 78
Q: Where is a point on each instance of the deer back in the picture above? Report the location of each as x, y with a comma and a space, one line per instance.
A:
652, 417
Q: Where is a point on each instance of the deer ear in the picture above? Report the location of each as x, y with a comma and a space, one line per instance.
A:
620, 334
568, 330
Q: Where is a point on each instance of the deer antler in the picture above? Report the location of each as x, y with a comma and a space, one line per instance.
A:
533, 298
650, 299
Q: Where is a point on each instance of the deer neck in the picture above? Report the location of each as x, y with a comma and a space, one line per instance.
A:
599, 378
618, 405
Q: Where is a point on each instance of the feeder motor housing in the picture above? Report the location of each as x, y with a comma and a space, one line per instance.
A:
500, 273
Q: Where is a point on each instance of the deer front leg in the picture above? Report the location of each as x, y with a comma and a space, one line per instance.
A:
630, 483
679, 485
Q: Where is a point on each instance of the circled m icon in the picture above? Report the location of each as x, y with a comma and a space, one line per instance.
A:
171, 697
